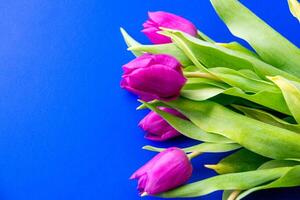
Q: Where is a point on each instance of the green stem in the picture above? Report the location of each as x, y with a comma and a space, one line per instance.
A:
234, 195
200, 75
194, 154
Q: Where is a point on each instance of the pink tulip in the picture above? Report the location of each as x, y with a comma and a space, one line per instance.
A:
154, 77
166, 20
157, 128
167, 170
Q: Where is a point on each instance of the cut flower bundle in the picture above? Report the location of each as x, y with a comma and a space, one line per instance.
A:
225, 96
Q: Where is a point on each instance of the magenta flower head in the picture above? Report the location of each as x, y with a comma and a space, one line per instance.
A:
154, 77
157, 128
167, 170
166, 20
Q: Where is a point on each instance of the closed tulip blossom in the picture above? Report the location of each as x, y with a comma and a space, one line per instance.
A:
154, 77
166, 20
167, 170
157, 128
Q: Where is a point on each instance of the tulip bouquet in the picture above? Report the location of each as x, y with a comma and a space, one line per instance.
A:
225, 96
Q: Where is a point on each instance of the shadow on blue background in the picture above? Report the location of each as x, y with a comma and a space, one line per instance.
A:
67, 130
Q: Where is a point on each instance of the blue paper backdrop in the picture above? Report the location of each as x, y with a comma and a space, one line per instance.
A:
67, 131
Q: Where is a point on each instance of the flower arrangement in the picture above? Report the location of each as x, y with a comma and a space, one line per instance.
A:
225, 96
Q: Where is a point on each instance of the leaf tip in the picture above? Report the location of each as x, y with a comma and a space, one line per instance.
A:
214, 167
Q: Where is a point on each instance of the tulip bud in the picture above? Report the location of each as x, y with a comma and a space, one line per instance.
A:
154, 77
167, 170
157, 128
166, 20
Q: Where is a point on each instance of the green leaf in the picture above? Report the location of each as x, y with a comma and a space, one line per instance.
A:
209, 84
185, 48
203, 53
291, 95
237, 47
194, 82
187, 128
279, 163
272, 47
249, 73
239, 161
268, 99
203, 147
234, 181
170, 49
267, 118
291, 178
201, 92
261, 138
294, 6
130, 42
247, 84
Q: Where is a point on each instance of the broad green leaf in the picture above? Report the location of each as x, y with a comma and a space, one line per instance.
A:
278, 163
190, 68
237, 47
130, 42
240, 161
237, 79
270, 100
233, 181
170, 49
290, 179
203, 147
187, 128
210, 55
272, 47
294, 6
194, 82
201, 92
291, 95
267, 118
249, 73
185, 48
210, 84
261, 138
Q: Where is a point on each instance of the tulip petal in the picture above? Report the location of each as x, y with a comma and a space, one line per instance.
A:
158, 79
142, 61
158, 129
170, 171
166, 20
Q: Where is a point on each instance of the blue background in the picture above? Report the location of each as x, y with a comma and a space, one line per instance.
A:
67, 131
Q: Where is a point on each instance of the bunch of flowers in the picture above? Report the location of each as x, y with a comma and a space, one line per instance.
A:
225, 96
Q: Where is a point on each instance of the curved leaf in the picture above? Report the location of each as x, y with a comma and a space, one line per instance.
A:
291, 95
290, 179
268, 99
294, 6
237, 47
130, 42
269, 44
234, 181
239, 161
267, 118
203, 147
203, 53
259, 137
